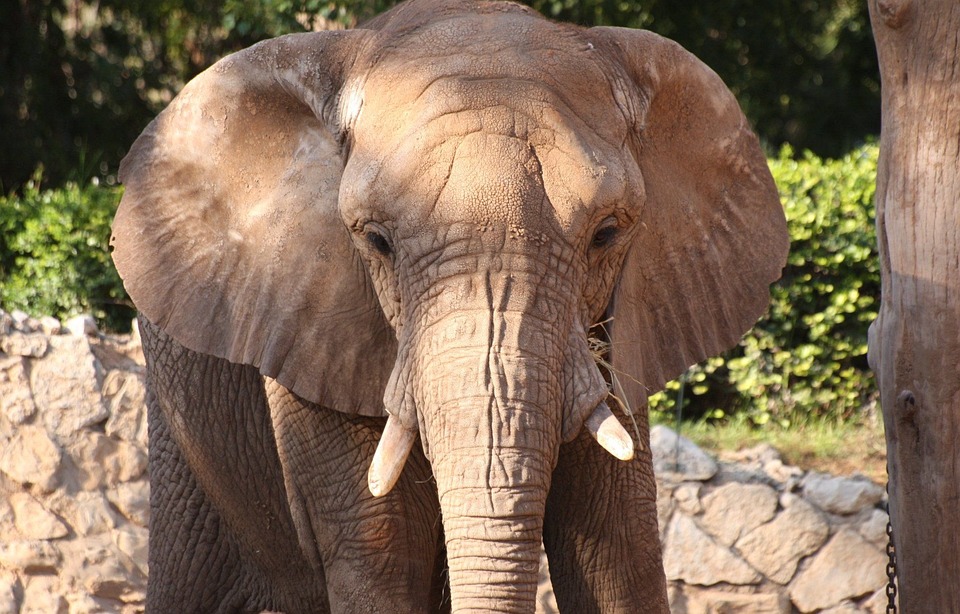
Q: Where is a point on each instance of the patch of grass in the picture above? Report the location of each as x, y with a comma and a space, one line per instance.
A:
840, 447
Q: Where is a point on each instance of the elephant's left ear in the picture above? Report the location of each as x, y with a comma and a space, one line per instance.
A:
714, 236
229, 238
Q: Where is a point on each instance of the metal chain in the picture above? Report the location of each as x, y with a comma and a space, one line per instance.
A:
891, 560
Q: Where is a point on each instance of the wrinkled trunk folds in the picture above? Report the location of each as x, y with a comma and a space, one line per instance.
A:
493, 506
490, 416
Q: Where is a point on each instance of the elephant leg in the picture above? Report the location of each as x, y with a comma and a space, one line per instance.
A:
221, 538
601, 532
379, 554
195, 565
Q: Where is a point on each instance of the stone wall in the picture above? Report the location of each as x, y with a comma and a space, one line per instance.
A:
74, 497
759, 536
751, 536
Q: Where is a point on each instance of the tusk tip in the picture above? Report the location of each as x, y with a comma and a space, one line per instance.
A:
376, 488
606, 429
619, 448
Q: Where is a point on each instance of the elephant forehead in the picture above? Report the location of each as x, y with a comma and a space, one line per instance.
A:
473, 61
514, 159
489, 179
493, 179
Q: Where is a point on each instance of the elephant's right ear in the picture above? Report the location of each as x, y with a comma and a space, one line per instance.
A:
228, 235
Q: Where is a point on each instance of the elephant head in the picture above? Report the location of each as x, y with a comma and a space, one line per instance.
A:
422, 219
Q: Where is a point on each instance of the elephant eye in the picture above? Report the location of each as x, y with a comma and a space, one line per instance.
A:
379, 243
606, 233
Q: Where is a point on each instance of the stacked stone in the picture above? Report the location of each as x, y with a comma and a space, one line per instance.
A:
759, 536
74, 498
752, 535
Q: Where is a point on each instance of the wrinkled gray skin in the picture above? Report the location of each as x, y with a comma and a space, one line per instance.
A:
421, 220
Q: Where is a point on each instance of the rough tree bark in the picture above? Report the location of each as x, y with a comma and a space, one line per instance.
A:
915, 341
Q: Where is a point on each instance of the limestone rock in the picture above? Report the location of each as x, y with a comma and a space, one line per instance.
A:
82, 326
665, 507
102, 571
9, 593
767, 462
738, 474
785, 474
848, 567
81, 603
65, 387
21, 320
734, 510
87, 513
135, 332
29, 556
31, 457
42, 595
873, 527
876, 603
775, 548
16, 400
693, 557
7, 521
125, 395
133, 542
840, 495
33, 521
100, 460
133, 501
24, 344
688, 498
679, 458
50, 326
844, 607
725, 602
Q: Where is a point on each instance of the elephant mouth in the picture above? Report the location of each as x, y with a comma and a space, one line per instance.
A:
397, 442
506, 353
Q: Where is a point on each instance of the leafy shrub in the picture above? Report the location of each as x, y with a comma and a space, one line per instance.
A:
54, 253
807, 356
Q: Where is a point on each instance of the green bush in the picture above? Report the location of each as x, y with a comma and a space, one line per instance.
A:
807, 356
54, 253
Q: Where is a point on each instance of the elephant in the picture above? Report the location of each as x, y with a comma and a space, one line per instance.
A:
404, 291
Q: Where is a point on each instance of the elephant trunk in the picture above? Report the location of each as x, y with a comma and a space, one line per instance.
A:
491, 424
493, 497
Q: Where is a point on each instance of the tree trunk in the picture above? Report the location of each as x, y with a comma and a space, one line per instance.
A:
915, 341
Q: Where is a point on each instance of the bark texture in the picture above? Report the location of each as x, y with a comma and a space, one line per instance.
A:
915, 341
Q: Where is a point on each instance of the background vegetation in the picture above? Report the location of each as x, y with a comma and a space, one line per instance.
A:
807, 357
79, 80
54, 253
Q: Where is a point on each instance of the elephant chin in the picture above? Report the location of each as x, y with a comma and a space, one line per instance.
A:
397, 441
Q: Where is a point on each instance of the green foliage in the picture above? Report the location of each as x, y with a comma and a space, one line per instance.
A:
807, 356
81, 79
54, 253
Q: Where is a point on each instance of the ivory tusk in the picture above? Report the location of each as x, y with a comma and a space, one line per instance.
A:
390, 457
609, 433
